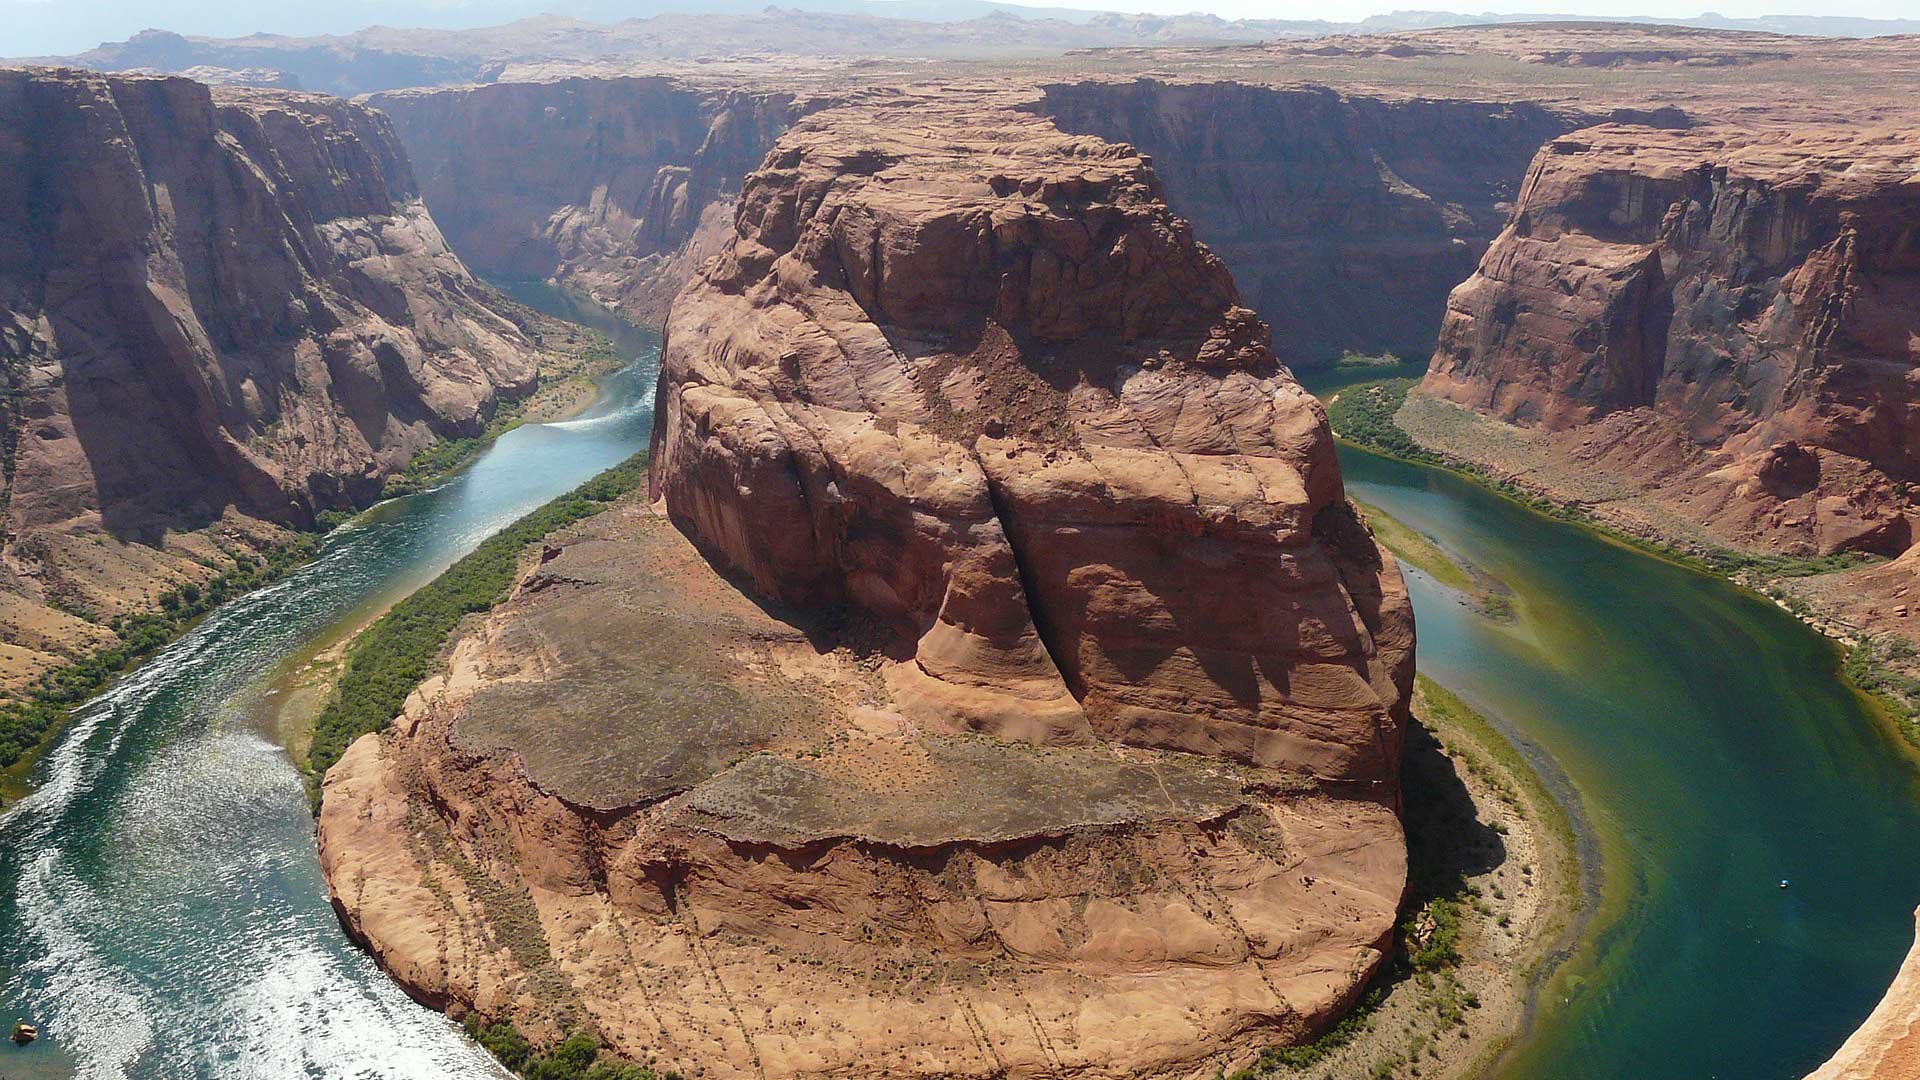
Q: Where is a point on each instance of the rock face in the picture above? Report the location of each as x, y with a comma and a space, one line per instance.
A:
1887, 1045
944, 381
620, 187
210, 305
1346, 219
1747, 300
1002, 684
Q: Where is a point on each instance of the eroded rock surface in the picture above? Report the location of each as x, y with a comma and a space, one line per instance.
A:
1001, 684
1741, 308
216, 309
980, 382
1345, 217
620, 187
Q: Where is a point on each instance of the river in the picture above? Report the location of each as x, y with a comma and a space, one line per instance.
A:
1715, 752
165, 917
164, 912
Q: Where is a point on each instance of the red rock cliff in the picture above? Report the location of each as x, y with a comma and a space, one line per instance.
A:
210, 304
1027, 703
1757, 294
1346, 218
618, 186
983, 384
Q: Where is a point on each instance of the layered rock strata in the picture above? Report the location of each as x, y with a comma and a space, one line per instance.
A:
620, 187
1740, 309
216, 310
1001, 685
1346, 219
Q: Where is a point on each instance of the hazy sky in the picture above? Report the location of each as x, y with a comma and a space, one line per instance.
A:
43, 27
1347, 10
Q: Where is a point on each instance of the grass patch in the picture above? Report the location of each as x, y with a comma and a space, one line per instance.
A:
396, 653
26, 724
1363, 413
1881, 667
576, 1057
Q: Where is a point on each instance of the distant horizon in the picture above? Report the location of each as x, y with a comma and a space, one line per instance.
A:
65, 27
1597, 9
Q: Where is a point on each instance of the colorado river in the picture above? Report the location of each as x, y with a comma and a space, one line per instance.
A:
164, 911
1716, 753
165, 915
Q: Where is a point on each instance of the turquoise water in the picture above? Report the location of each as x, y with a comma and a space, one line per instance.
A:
164, 912
1715, 752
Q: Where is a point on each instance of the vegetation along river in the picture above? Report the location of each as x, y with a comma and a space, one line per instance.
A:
164, 910
166, 916
1715, 752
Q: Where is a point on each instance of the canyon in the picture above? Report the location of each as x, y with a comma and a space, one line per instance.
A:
868, 409
996, 678
1348, 217
221, 314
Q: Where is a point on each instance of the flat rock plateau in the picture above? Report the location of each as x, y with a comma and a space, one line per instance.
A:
1001, 684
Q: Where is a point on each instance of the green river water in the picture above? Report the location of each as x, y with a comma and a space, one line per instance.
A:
1714, 752
162, 914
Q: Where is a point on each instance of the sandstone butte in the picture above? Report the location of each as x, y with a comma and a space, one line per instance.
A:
218, 311
1000, 682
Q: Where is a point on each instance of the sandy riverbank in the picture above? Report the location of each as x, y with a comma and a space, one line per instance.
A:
287, 703
1494, 886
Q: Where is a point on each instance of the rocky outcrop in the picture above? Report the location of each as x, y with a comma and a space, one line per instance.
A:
1752, 298
212, 306
1346, 218
619, 187
1001, 685
1887, 1045
1027, 323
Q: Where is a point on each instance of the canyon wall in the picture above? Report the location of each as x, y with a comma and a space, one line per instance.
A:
211, 305
619, 187
1346, 218
1740, 310
1002, 684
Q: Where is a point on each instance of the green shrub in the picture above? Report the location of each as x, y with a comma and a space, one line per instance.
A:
1442, 947
27, 723
1364, 414
576, 1057
394, 654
